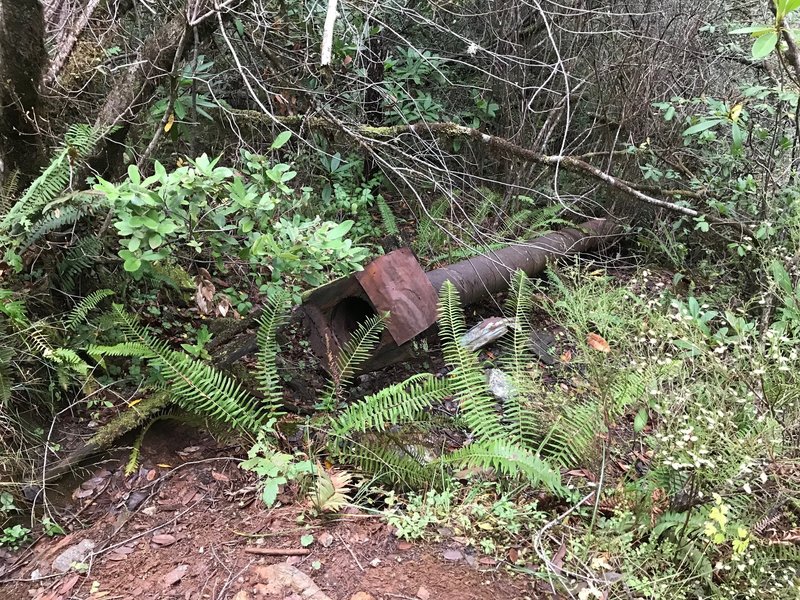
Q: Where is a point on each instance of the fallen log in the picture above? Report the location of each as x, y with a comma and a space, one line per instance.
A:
127, 421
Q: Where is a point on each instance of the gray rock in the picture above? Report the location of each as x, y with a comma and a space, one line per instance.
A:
74, 554
500, 384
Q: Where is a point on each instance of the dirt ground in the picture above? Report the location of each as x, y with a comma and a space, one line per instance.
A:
188, 525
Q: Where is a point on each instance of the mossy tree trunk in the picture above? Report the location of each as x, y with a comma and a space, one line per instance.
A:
22, 61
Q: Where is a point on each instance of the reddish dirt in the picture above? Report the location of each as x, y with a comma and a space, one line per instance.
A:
192, 533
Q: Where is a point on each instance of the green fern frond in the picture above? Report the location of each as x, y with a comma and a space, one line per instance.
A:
387, 216
573, 434
430, 237
78, 259
85, 306
507, 459
467, 380
123, 349
199, 387
273, 317
387, 463
516, 352
9, 191
355, 352
80, 140
394, 405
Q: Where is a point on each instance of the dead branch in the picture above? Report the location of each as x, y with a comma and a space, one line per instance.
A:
367, 134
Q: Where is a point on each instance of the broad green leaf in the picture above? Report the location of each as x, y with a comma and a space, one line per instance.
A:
306, 540
765, 44
340, 230
132, 265
640, 421
756, 30
702, 126
738, 136
283, 137
134, 175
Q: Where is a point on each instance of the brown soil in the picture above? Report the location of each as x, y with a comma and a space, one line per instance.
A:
186, 526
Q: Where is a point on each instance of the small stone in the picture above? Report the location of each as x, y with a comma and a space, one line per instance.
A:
362, 596
241, 595
500, 384
375, 562
452, 555
74, 554
325, 538
175, 575
423, 594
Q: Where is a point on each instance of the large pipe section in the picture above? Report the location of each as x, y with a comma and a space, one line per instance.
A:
396, 283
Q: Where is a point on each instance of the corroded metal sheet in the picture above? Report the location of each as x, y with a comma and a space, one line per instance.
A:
396, 283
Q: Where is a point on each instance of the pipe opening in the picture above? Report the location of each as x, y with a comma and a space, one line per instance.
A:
347, 315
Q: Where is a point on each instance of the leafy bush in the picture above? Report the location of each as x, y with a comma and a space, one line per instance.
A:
224, 216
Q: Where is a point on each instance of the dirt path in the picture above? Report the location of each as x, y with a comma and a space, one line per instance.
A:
194, 532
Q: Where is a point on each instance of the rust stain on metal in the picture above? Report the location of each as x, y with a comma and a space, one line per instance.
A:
396, 283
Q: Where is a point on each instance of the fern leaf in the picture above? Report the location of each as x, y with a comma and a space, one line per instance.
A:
389, 464
86, 305
396, 404
355, 352
199, 387
387, 216
508, 459
273, 317
467, 380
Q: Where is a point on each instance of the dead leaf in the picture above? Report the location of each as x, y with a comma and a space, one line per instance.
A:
566, 356
513, 555
204, 293
175, 575
403, 546
170, 122
69, 583
219, 476
558, 559
596, 342
151, 474
423, 594
223, 306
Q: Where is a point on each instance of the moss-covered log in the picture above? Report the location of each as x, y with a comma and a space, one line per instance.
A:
105, 437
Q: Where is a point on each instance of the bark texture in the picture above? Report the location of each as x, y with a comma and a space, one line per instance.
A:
22, 61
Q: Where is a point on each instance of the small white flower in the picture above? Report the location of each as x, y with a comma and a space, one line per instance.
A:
473, 48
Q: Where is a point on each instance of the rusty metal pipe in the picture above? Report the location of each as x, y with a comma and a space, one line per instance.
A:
489, 273
396, 283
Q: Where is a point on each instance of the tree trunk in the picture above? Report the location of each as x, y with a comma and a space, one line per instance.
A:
22, 61
133, 88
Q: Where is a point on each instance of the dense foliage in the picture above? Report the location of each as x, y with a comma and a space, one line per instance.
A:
204, 170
